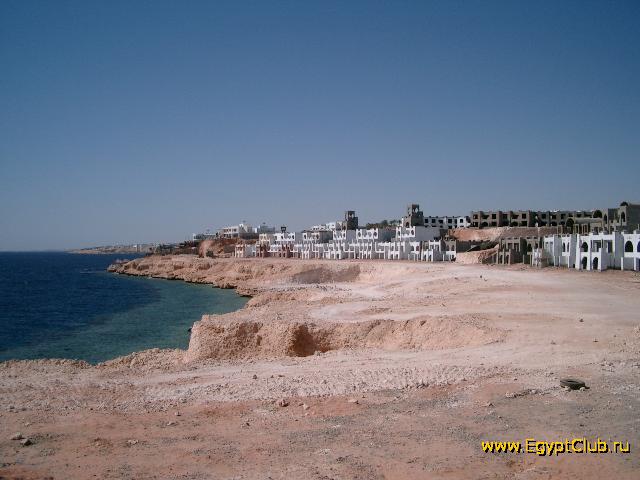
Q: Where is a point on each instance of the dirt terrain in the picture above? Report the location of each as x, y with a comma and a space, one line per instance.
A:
352, 369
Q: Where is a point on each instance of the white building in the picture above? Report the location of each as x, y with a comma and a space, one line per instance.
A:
264, 228
326, 226
364, 245
308, 246
631, 251
283, 243
594, 251
407, 242
338, 247
237, 231
599, 251
558, 251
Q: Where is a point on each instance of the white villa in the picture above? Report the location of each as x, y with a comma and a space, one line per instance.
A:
594, 251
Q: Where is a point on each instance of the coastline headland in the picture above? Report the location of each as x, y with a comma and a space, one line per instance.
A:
331, 366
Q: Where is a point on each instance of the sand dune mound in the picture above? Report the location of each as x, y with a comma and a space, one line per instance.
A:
224, 339
326, 274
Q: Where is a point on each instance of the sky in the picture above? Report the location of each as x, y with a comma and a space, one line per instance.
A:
147, 121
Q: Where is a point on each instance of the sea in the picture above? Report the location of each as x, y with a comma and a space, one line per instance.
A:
63, 305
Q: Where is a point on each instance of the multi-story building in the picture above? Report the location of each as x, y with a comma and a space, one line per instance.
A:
599, 240
528, 218
593, 251
625, 217
364, 244
235, 231
245, 230
447, 222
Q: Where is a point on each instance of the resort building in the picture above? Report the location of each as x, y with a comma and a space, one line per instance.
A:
245, 230
631, 251
242, 230
625, 217
526, 218
597, 241
447, 222
595, 251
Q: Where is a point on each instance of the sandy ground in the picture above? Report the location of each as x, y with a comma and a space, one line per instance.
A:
389, 369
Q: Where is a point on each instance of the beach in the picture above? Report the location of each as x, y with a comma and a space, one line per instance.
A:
349, 369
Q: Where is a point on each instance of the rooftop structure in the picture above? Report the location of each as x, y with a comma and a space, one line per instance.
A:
414, 216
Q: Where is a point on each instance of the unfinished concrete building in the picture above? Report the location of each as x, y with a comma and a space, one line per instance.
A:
516, 249
447, 222
625, 217
245, 250
350, 220
414, 216
525, 218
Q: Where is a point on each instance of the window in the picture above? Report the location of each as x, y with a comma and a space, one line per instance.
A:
628, 247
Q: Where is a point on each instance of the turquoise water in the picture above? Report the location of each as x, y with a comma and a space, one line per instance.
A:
57, 305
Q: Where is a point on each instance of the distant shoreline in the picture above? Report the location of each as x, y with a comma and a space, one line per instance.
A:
125, 249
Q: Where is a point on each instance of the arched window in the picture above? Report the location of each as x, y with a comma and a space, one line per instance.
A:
638, 248
628, 247
585, 247
623, 217
564, 247
595, 263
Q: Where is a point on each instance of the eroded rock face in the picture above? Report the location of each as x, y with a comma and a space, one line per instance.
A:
303, 307
216, 337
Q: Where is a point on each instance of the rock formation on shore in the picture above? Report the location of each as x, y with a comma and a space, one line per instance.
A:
279, 320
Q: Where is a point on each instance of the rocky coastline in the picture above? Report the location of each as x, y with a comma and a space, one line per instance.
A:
404, 355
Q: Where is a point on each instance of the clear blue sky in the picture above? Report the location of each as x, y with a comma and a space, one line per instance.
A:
147, 121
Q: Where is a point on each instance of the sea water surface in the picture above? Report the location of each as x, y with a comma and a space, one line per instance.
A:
61, 305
